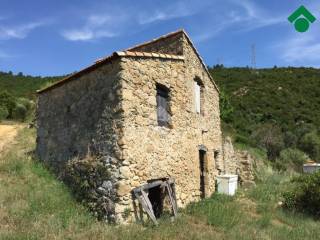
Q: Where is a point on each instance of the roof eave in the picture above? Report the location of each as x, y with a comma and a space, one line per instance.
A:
79, 73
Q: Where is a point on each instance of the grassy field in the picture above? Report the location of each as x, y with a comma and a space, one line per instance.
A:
34, 205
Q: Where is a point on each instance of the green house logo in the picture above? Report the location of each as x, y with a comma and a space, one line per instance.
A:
301, 19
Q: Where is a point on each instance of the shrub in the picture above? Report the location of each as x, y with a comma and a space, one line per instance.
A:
270, 137
290, 140
291, 158
7, 101
304, 128
88, 179
310, 143
19, 112
29, 105
25, 102
226, 109
4, 113
304, 194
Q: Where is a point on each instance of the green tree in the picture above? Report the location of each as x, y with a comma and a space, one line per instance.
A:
270, 137
4, 113
291, 158
304, 194
310, 143
25, 102
226, 109
290, 139
7, 101
19, 112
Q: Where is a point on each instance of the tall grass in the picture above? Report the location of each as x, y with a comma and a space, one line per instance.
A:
220, 210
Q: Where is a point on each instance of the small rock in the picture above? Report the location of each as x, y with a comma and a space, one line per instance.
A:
101, 190
126, 163
107, 185
125, 172
122, 189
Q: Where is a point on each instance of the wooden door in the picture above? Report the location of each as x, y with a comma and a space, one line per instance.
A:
202, 157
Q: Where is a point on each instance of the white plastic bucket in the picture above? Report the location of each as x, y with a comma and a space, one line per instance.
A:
227, 184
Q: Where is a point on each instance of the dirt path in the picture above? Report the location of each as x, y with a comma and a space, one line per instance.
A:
7, 134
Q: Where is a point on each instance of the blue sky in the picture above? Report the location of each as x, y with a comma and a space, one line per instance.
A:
54, 37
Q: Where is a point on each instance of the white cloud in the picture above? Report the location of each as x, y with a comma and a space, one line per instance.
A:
157, 16
177, 10
241, 15
86, 34
18, 31
95, 27
78, 35
118, 20
255, 17
234, 15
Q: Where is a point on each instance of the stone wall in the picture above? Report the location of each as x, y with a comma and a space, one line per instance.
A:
246, 168
152, 152
238, 162
231, 161
80, 118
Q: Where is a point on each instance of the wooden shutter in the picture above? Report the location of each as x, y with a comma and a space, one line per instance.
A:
197, 90
162, 107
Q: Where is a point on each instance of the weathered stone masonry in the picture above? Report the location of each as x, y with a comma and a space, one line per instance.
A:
110, 110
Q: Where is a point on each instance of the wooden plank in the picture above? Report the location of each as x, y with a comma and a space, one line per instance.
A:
145, 206
149, 206
147, 186
173, 188
172, 201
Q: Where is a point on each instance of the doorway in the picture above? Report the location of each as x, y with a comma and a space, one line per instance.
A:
202, 158
156, 199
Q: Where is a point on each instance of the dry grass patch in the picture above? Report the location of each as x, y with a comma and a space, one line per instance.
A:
8, 132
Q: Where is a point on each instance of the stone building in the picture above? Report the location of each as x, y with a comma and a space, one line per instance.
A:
149, 112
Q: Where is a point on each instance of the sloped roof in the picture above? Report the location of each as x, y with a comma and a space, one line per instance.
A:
100, 62
131, 53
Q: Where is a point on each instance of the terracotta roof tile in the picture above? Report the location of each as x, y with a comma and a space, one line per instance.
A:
147, 55
139, 54
121, 53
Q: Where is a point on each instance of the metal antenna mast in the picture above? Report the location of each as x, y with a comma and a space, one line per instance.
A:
253, 56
